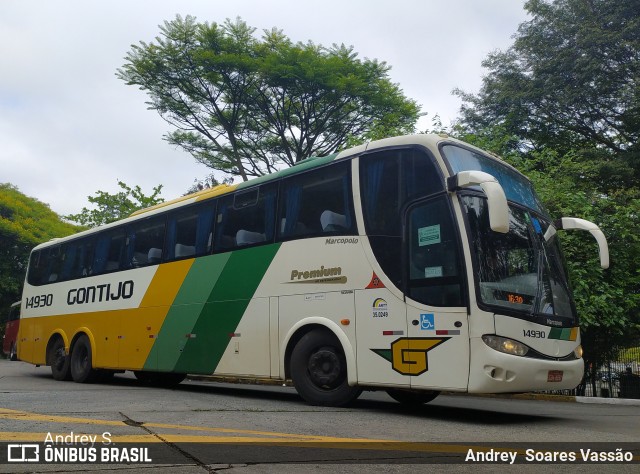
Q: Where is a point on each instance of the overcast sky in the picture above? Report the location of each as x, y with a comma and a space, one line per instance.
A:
69, 127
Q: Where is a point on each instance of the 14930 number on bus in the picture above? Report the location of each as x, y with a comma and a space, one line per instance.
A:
39, 301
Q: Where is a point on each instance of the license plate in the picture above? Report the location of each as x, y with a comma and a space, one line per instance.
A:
554, 376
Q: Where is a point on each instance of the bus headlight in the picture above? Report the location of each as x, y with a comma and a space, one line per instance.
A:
508, 346
578, 352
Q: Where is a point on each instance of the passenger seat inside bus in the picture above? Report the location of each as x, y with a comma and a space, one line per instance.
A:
185, 250
332, 221
154, 256
246, 237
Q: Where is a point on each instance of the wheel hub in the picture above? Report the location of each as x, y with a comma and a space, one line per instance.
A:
324, 367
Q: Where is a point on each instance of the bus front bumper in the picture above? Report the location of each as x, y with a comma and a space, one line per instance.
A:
492, 371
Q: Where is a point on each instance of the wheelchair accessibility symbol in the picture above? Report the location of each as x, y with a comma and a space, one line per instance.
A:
426, 322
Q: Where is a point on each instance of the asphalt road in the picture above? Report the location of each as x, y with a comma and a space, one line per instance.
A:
211, 427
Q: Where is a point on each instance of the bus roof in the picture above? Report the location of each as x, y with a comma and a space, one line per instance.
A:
427, 140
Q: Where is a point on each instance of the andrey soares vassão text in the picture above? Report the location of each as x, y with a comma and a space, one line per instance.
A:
533, 455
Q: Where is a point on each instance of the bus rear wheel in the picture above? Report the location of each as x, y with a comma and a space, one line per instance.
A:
412, 398
58, 359
319, 370
81, 361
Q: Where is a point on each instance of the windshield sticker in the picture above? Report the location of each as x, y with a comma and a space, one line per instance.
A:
432, 272
429, 235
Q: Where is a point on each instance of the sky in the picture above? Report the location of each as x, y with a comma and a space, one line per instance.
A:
69, 127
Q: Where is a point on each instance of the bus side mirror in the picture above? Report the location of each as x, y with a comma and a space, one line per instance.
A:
496, 199
581, 224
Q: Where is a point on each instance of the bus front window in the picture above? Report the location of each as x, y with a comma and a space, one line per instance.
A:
519, 272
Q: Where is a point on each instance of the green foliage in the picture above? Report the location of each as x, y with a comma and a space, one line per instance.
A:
629, 354
24, 223
563, 106
112, 207
572, 185
245, 106
570, 80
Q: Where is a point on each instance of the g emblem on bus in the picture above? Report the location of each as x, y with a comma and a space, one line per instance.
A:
408, 355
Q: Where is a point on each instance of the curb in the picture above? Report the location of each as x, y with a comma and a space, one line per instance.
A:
609, 401
553, 398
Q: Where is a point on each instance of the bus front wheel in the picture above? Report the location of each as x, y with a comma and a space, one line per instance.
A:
319, 370
81, 361
58, 359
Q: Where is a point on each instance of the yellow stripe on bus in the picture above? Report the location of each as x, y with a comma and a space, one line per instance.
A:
119, 338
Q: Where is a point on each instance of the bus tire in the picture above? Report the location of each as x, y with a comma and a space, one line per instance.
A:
13, 352
412, 399
319, 370
58, 359
81, 360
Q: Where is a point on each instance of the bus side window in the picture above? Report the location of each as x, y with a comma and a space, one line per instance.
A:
246, 218
108, 253
84, 259
390, 179
315, 203
38, 265
434, 273
189, 232
55, 265
76, 259
68, 256
145, 241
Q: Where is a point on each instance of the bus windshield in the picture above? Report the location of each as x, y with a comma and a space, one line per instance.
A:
516, 187
519, 272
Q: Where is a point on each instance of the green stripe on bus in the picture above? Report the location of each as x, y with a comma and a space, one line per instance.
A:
226, 304
562, 334
184, 312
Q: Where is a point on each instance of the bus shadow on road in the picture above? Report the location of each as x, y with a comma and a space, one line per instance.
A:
445, 407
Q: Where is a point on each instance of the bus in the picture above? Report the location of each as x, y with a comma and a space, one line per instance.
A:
10, 337
414, 264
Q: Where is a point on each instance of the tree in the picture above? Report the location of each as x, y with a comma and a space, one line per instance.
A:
112, 207
24, 223
570, 80
607, 301
247, 106
563, 105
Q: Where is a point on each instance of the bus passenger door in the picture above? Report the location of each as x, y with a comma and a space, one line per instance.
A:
381, 319
436, 350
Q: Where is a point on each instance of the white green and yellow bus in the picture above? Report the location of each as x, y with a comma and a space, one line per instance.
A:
413, 264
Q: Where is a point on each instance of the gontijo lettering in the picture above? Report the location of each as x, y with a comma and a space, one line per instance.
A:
100, 293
